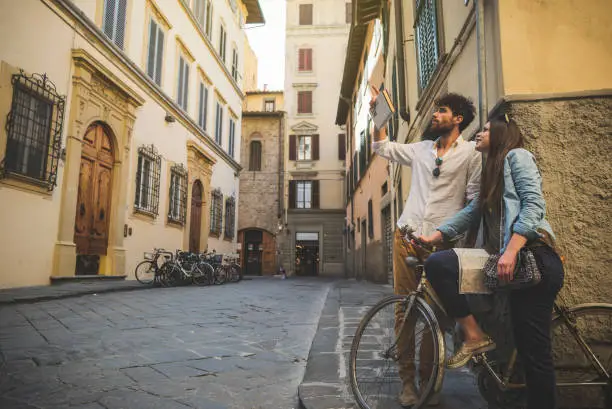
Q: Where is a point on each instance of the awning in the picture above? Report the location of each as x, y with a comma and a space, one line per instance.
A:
255, 14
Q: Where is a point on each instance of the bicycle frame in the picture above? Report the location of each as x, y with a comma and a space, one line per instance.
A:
563, 313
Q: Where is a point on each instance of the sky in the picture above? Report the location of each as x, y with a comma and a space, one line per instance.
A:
268, 42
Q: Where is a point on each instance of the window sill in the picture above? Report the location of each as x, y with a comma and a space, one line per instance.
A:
175, 223
25, 183
229, 239
214, 234
145, 214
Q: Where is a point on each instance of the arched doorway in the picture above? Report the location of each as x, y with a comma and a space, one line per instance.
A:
94, 199
195, 223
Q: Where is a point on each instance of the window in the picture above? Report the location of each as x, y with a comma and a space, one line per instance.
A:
232, 136
156, 51
270, 105
304, 147
305, 14
362, 154
147, 180
209, 16
304, 194
219, 125
304, 102
230, 217
255, 156
305, 59
235, 64
426, 39
222, 43
183, 83
199, 9
113, 21
203, 106
216, 212
178, 194
341, 146
34, 129
349, 13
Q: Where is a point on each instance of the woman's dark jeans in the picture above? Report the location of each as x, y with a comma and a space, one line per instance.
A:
531, 310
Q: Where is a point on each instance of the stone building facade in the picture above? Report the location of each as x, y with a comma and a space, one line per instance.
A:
316, 35
260, 221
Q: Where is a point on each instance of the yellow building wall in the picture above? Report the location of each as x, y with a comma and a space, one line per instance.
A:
250, 67
255, 102
540, 37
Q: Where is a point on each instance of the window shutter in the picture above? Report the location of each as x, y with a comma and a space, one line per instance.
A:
315, 194
186, 86
305, 14
308, 102
301, 60
292, 147
109, 18
120, 33
152, 49
341, 146
159, 56
308, 59
180, 82
292, 194
315, 147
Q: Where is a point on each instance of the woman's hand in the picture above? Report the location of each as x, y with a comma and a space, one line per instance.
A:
435, 238
506, 265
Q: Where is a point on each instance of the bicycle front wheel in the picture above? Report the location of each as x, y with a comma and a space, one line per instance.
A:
574, 365
391, 346
145, 272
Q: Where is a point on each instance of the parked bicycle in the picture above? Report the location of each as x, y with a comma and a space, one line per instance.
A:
582, 351
185, 268
148, 271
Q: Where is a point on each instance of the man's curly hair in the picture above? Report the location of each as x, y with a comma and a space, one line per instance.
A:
459, 105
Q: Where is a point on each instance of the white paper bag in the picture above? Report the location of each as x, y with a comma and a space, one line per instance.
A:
471, 275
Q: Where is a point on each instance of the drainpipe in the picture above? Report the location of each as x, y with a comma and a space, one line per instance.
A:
482, 63
401, 61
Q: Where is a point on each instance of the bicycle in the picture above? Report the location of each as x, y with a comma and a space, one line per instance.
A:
374, 355
148, 270
184, 268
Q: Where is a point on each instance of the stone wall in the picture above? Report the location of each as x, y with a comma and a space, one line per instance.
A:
259, 191
572, 141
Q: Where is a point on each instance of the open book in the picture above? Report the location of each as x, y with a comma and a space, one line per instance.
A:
383, 109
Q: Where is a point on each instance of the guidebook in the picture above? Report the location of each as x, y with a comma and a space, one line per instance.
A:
383, 109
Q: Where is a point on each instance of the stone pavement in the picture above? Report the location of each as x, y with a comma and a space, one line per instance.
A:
325, 383
235, 346
66, 290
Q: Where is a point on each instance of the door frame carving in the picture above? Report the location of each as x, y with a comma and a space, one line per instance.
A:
199, 167
97, 95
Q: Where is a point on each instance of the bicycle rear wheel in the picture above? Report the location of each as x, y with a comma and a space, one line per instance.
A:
375, 354
594, 325
204, 274
145, 272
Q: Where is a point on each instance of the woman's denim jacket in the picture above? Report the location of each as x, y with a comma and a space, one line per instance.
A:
524, 207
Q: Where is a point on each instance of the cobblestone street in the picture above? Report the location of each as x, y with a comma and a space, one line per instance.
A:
239, 345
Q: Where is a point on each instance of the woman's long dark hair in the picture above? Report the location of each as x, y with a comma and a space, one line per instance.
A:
504, 135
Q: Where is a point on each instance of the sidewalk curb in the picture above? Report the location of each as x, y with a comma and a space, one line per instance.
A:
77, 293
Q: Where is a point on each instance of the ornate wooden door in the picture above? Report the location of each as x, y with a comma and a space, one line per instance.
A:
195, 222
94, 195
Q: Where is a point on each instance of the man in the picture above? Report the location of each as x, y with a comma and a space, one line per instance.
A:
445, 175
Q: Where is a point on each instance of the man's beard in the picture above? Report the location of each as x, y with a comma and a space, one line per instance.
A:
439, 128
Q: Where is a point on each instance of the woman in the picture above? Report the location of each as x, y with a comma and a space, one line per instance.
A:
512, 210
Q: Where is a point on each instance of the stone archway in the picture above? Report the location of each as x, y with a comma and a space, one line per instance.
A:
97, 97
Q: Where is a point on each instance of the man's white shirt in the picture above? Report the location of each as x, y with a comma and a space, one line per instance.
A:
432, 199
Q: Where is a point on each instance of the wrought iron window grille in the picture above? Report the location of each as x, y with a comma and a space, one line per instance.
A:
34, 130
147, 180
216, 212
230, 217
178, 194
426, 36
